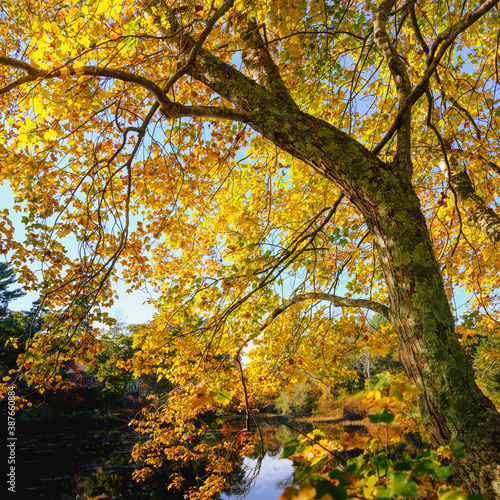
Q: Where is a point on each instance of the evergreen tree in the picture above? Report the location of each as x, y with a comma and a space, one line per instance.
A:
7, 279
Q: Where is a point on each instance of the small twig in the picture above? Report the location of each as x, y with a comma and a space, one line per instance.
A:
245, 392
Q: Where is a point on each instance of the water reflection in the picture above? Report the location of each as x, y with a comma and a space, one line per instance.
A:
274, 475
263, 475
78, 463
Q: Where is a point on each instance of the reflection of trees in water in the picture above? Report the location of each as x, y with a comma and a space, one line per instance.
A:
114, 475
285, 482
269, 437
243, 478
285, 433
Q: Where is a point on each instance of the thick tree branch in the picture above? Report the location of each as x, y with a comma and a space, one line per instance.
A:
199, 43
225, 80
402, 81
167, 107
14, 63
480, 215
260, 64
489, 164
441, 44
335, 299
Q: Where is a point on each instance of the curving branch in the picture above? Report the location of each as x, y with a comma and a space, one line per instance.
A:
438, 49
169, 108
335, 299
480, 215
16, 64
93, 71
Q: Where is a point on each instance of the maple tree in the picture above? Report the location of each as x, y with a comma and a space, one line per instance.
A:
256, 161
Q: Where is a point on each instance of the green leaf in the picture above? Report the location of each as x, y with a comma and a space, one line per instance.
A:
381, 462
400, 483
382, 416
426, 466
290, 448
354, 465
397, 394
382, 492
325, 487
443, 473
383, 381
457, 450
405, 465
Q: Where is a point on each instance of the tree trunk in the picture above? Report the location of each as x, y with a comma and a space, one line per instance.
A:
452, 406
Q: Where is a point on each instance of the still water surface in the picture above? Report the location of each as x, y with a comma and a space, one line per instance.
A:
75, 463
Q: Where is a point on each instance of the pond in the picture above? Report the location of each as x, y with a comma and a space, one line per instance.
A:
74, 463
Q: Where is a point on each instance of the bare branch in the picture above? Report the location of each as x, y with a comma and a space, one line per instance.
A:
237, 358
335, 299
465, 112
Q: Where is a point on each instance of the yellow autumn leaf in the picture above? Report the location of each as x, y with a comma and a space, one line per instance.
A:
351, 441
202, 396
370, 398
